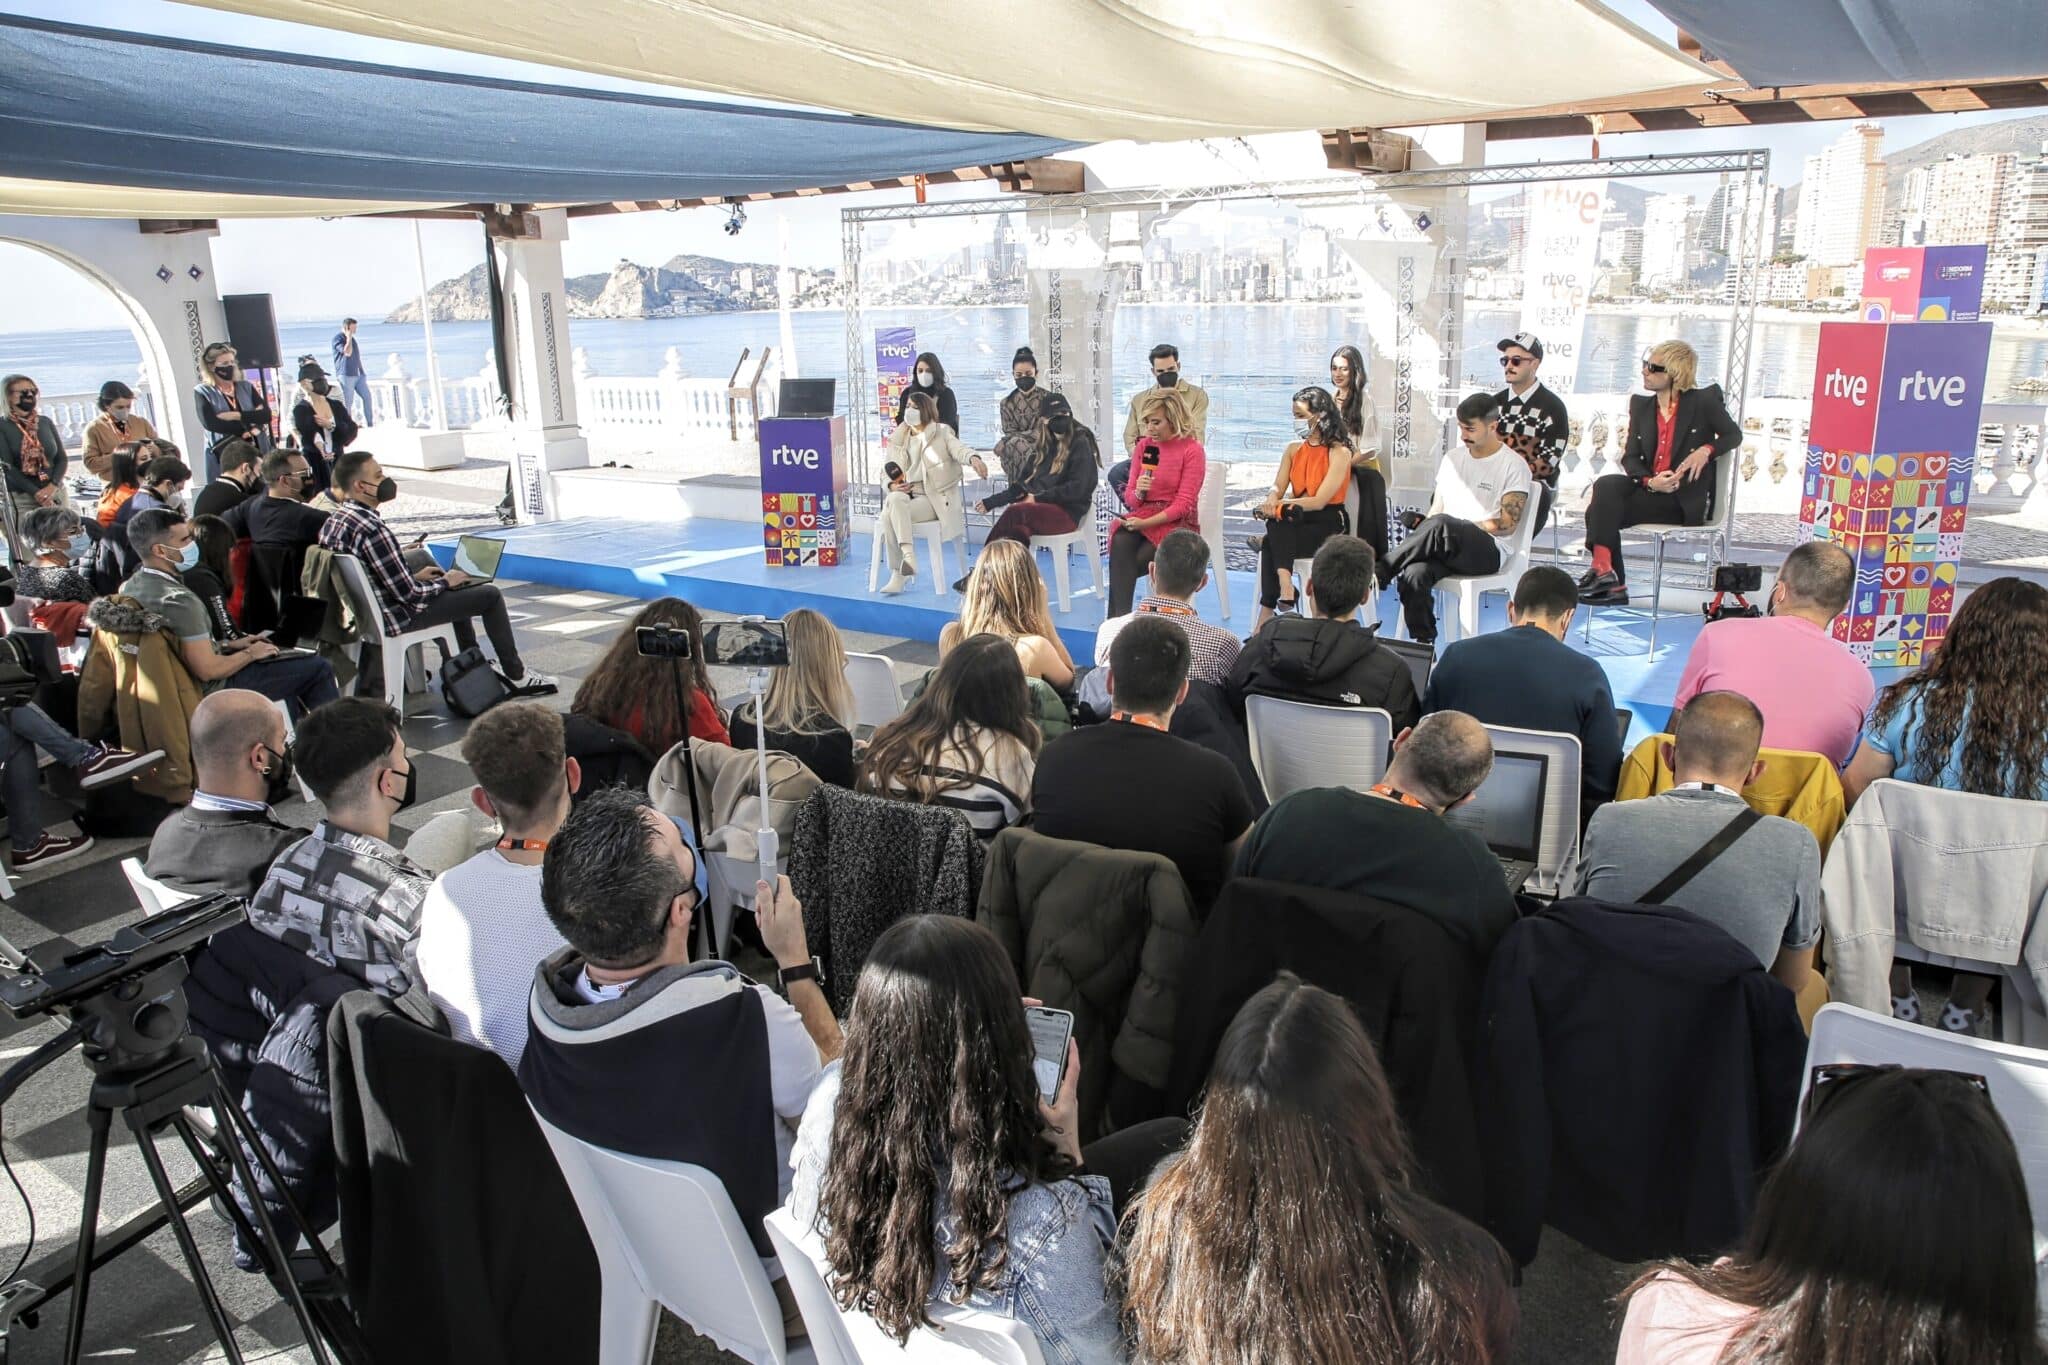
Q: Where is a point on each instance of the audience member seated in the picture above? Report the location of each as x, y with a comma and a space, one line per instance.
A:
1328, 658
1973, 719
1163, 493
483, 930
1814, 694
163, 489
1051, 488
935, 1172
226, 838
1482, 494
241, 471
1306, 506
56, 577
1129, 784
1527, 677
1006, 597
163, 543
283, 516
636, 692
635, 1048
1392, 843
1829, 1270
1298, 1126
967, 743
344, 895
1763, 887
29, 728
211, 579
1180, 569
929, 458
809, 704
426, 597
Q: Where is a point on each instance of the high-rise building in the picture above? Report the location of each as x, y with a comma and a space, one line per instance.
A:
1665, 241
1841, 199
1966, 197
2014, 275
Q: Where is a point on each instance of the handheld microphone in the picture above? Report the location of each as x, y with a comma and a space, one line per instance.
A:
1151, 453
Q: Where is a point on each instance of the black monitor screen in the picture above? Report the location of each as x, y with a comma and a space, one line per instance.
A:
805, 397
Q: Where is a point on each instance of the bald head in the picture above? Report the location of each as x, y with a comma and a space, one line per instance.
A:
234, 735
1715, 739
1443, 759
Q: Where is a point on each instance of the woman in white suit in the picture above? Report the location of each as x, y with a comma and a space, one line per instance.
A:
926, 460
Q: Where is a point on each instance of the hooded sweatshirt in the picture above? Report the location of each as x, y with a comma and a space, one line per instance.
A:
1335, 663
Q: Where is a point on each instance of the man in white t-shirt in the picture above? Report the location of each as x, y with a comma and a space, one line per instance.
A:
483, 929
1482, 494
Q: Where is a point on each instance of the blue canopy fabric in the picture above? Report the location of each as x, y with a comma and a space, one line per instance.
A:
1842, 42
93, 106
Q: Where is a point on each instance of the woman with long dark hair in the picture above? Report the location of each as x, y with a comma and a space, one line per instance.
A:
1051, 489
1291, 1231
634, 692
1362, 420
928, 377
1973, 719
1306, 506
123, 478
967, 743
1895, 1232
931, 1168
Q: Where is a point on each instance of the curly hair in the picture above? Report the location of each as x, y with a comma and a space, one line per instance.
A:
1327, 424
1290, 1231
627, 685
1987, 685
935, 1085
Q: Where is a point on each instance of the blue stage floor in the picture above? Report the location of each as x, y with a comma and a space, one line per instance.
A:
719, 566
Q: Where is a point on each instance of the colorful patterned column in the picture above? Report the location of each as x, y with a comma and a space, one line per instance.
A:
803, 490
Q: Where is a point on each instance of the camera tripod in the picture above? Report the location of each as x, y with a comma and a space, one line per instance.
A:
155, 1093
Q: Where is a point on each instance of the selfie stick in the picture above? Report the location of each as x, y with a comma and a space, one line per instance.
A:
675, 673
767, 847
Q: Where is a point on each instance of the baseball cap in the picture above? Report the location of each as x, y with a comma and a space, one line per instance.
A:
1526, 340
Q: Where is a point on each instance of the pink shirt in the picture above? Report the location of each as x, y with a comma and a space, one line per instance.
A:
1674, 1322
1176, 487
1813, 692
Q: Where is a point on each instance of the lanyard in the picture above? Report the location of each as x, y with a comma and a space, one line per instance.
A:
523, 845
1166, 608
1708, 787
1396, 794
1149, 722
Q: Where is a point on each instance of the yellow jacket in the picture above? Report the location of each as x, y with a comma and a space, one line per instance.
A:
1800, 786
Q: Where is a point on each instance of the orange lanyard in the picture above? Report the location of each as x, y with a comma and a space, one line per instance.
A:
1149, 722
1396, 794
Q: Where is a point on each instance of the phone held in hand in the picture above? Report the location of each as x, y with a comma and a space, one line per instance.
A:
1050, 1031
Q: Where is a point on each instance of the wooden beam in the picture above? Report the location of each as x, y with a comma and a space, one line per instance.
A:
173, 226
518, 224
1043, 175
1369, 151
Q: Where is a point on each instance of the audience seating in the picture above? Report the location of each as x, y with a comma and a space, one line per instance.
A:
667, 1236
877, 696
843, 1337
1297, 744
1714, 528
152, 895
396, 649
1209, 515
1082, 541
934, 565
2018, 1077
1557, 846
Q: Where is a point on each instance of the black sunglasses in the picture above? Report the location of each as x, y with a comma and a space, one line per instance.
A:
1508, 360
1831, 1079
1652, 367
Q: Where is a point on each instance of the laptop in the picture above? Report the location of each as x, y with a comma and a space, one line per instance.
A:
478, 557
1507, 812
1420, 658
805, 398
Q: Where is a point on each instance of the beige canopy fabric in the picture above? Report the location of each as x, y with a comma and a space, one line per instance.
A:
1088, 70
62, 199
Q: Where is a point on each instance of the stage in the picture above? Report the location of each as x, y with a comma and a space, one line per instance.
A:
719, 566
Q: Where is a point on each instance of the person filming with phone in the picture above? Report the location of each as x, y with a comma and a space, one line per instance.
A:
1161, 495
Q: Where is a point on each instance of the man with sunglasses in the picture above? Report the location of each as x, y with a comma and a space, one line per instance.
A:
227, 837
1533, 421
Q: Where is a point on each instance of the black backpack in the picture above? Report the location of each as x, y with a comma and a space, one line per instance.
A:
469, 684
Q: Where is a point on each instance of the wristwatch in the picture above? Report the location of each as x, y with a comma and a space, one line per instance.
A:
803, 971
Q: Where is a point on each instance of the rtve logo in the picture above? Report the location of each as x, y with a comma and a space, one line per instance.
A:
1855, 388
1921, 387
894, 352
794, 458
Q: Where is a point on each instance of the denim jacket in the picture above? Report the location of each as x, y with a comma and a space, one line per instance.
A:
1058, 1235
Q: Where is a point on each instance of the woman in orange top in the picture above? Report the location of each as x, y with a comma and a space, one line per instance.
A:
1306, 506
124, 478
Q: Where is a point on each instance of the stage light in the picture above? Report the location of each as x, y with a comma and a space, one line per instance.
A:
737, 221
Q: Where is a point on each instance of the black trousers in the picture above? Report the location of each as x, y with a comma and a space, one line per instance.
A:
1619, 501
459, 607
1546, 494
1130, 555
1287, 541
1440, 547
1372, 511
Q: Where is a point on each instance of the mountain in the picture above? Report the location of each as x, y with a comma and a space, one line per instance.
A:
684, 285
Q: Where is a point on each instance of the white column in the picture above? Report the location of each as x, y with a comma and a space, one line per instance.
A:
546, 437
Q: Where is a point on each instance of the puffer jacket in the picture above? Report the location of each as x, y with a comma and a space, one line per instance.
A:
135, 681
1335, 663
1105, 933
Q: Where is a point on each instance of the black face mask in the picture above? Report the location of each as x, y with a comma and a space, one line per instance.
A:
223, 372
27, 402
1025, 381
1167, 378
318, 386
278, 777
1059, 426
412, 783
387, 489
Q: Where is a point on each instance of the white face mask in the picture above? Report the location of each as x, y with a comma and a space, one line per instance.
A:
914, 417
924, 379
1303, 430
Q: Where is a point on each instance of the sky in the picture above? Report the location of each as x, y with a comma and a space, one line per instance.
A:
323, 269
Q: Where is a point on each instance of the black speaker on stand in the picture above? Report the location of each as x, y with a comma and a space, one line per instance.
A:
252, 331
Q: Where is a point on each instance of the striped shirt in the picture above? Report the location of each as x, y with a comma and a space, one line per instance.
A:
998, 798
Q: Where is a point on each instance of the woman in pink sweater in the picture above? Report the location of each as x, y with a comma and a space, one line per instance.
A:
1162, 493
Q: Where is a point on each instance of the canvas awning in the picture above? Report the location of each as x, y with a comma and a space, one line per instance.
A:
1772, 43
1085, 70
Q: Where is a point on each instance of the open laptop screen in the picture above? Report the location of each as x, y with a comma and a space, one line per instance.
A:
478, 556
1507, 810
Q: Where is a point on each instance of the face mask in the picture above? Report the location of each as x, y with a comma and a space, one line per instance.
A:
277, 778
412, 782
387, 489
914, 417
27, 402
79, 546
1168, 378
1060, 426
318, 386
1304, 430
1025, 381
119, 417
223, 372
188, 558
924, 379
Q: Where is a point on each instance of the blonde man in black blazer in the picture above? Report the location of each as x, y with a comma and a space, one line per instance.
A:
1675, 434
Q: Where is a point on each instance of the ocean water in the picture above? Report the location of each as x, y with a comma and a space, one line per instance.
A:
1251, 357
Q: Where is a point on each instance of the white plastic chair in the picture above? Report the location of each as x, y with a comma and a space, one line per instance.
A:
1297, 744
841, 1337
1080, 540
1715, 528
667, 1236
1468, 590
153, 896
2018, 1076
877, 697
397, 648
1557, 839
1209, 511
934, 537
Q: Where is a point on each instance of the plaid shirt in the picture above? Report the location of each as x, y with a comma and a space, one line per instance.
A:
1536, 427
357, 530
1211, 649
349, 901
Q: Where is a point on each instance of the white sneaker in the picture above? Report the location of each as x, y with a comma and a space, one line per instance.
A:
534, 685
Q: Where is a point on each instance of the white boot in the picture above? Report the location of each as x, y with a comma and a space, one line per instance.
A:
897, 582
906, 563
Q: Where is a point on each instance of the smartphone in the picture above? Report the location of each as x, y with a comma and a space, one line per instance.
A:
1050, 1030
751, 642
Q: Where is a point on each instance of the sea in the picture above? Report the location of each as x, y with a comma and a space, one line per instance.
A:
1250, 357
